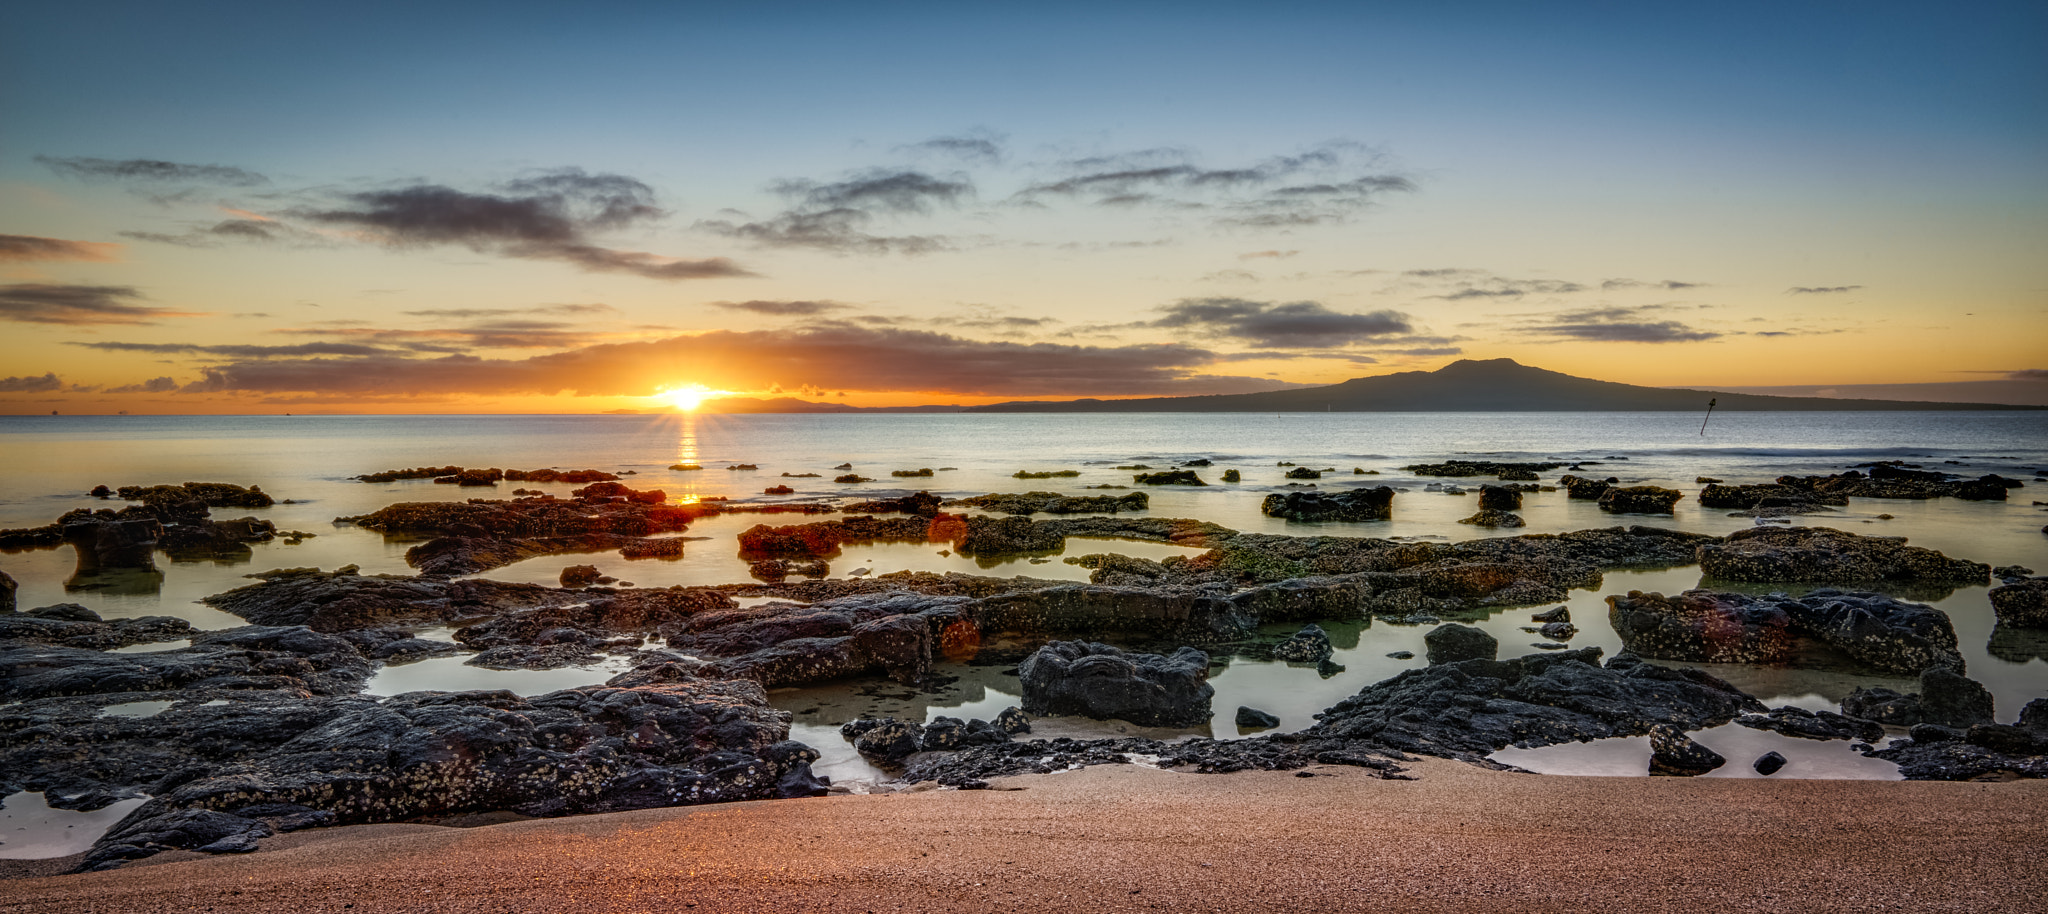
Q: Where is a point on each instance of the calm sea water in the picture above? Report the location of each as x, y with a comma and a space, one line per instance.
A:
52, 461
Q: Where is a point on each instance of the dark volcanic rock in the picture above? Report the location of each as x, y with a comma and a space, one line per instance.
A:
2023, 604
1255, 719
1493, 519
481, 534
7, 590
1505, 471
1560, 614
1103, 682
1824, 555
1674, 754
1639, 499
989, 536
1499, 498
595, 749
293, 658
1875, 703
1310, 645
1822, 725
1950, 699
1376, 503
1462, 710
1767, 496
1893, 482
887, 742
343, 600
823, 539
72, 625
1702, 625
1768, 764
580, 575
1055, 503
923, 504
1169, 478
1583, 489
1451, 643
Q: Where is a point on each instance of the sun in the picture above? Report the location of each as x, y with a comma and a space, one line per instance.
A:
689, 397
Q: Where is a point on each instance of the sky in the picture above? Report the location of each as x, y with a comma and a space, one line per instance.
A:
515, 207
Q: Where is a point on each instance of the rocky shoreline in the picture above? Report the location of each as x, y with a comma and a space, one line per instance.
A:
265, 728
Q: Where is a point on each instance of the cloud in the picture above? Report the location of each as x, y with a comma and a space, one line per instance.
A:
153, 171
1276, 255
883, 191
243, 230
979, 146
31, 384
1302, 324
43, 303
469, 313
31, 248
1324, 185
1501, 287
1669, 285
237, 351
2029, 374
840, 231
1820, 290
161, 385
835, 216
1616, 325
827, 356
543, 217
782, 308
493, 334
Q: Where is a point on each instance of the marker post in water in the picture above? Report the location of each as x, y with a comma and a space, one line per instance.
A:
1710, 414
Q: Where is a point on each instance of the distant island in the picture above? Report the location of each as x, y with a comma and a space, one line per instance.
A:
1467, 385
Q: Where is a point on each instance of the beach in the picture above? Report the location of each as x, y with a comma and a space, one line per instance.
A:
1126, 838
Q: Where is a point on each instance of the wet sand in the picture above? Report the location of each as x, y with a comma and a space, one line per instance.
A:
1130, 839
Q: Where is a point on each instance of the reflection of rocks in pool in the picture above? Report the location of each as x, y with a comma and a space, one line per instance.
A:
2018, 645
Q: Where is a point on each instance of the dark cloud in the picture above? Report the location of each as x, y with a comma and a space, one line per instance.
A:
31, 384
542, 217
838, 230
1270, 194
155, 171
1266, 325
45, 303
161, 385
471, 313
493, 334
1428, 351
32, 248
1820, 290
835, 216
1669, 285
783, 308
254, 231
879, 191
832, 356
1502, 287
238, 351
1616, 325
980, 147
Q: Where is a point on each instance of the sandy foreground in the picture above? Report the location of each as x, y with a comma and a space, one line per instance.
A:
1123, 838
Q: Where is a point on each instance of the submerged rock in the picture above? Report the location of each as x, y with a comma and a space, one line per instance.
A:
1169, 478
1894, 482
1493, 519
1103, 682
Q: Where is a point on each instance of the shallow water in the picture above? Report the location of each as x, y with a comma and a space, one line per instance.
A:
31, 830
53, 461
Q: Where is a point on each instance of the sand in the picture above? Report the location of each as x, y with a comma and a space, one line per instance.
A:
1123, 838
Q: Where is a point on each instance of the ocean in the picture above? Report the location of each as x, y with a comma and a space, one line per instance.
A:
307, 462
